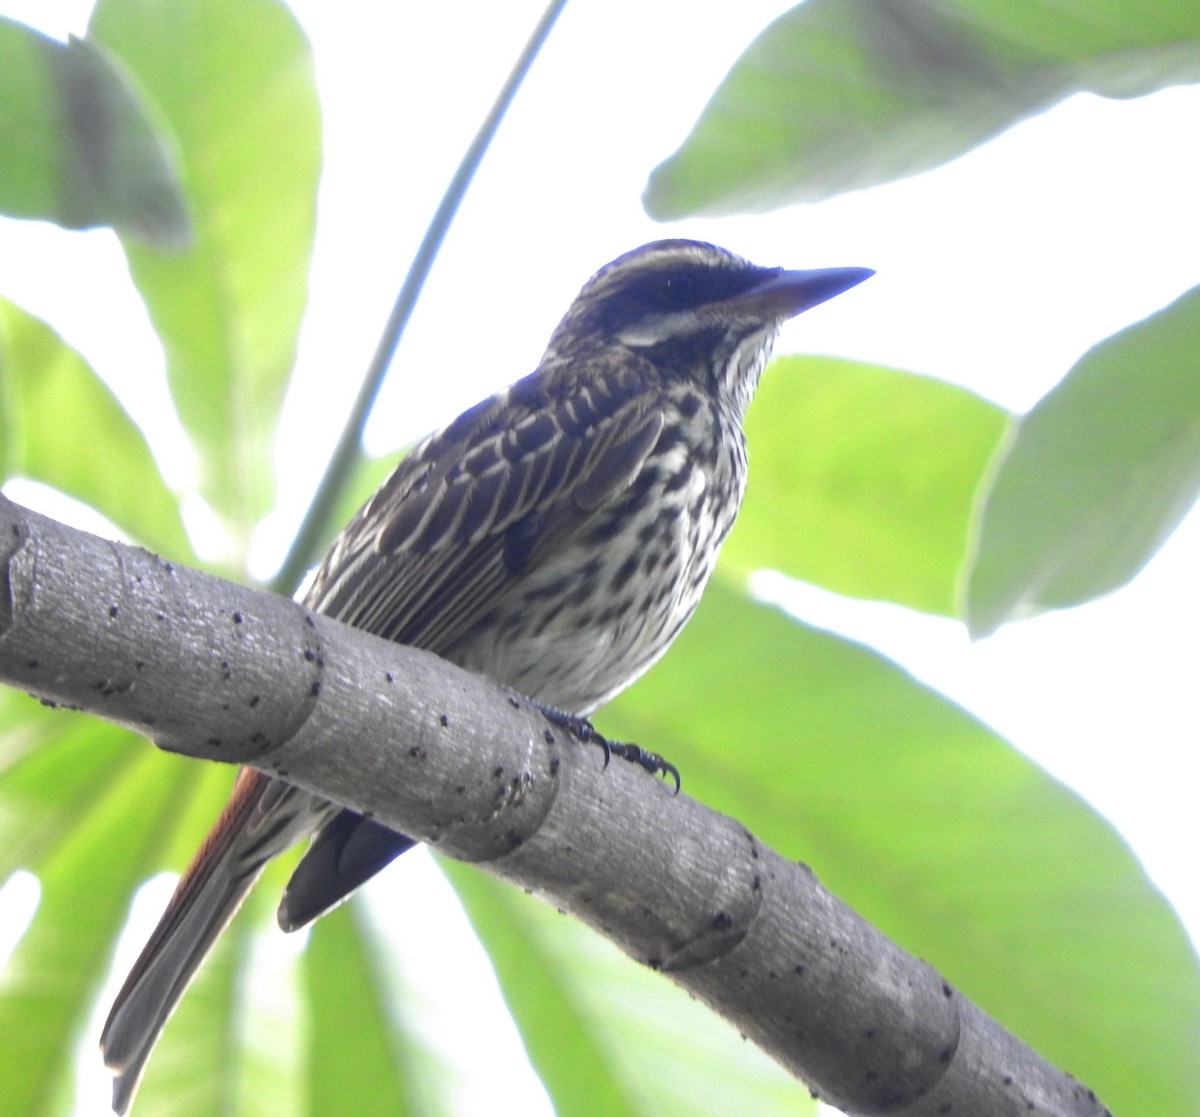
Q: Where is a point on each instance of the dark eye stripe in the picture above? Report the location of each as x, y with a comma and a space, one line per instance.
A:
678, 289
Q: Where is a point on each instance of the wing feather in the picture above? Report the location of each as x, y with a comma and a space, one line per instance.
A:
475, 505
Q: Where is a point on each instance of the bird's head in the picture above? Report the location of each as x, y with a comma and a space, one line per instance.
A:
693, 309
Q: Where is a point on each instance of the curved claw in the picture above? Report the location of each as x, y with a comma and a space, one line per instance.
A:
666, 768
583, 730
644, 758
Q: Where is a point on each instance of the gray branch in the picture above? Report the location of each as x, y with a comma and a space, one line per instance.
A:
215, 670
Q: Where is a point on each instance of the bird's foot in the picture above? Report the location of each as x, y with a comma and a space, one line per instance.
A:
583, 730
635, 754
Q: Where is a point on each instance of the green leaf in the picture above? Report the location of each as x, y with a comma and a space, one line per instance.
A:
607, 1035
862, 479
52, 766
234, 80
67, 804
78, 146
838, 95
93, 813
60, 424
357, 1056
938, 832
1098, 474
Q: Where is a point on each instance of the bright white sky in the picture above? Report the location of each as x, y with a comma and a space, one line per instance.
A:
995, 272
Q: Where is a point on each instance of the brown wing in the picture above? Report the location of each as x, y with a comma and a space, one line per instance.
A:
474, 507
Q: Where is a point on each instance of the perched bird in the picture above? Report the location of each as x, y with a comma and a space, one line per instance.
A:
555, 537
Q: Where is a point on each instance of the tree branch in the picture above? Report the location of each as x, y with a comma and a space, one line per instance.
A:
216, 670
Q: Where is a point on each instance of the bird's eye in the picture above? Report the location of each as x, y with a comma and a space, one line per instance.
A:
677, 288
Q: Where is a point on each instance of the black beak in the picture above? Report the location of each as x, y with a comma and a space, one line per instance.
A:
784, 294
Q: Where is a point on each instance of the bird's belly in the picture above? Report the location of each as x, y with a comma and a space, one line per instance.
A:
591, 619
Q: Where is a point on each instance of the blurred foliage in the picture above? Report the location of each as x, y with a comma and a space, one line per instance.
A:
81, 147
840, 94
1098, 474
864, 479
232, 82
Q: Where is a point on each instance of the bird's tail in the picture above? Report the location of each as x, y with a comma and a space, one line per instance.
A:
263, 817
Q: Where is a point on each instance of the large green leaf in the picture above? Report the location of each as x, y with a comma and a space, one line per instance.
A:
67, 818
60, 424
862, 479
92, 814
564, 1040
1098, 475
941, 834
234, 79
77, 146
607, 1035
359, 1060
841, 94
